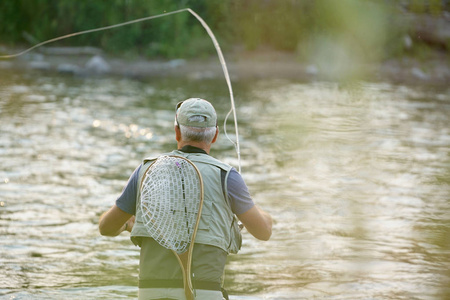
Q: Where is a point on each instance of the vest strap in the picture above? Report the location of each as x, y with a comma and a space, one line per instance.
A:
178, 283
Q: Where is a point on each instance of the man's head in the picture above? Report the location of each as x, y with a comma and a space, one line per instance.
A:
197, 121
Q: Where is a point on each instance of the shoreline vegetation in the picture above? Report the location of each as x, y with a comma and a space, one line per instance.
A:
401, 42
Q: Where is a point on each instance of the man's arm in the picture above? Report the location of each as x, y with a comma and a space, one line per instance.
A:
114, 221
120, 216
257, 222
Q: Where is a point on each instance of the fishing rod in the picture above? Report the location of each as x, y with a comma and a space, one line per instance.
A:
211, 35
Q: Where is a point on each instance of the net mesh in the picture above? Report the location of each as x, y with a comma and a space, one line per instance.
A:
170, 201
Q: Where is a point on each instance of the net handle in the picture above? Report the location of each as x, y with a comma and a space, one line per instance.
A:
185, 259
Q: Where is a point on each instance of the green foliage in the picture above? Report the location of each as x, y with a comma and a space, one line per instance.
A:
289, 25
173, 36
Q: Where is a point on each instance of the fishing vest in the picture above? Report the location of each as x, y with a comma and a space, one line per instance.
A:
218, 225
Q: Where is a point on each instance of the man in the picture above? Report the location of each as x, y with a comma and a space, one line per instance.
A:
225, 194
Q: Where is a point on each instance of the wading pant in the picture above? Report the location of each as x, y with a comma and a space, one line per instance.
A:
177, 294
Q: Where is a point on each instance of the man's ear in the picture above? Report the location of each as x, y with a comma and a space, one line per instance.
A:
216, 135
177, 133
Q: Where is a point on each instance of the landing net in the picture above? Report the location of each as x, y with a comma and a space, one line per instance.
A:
171, 201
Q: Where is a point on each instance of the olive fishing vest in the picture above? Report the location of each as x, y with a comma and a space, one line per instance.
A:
218, 225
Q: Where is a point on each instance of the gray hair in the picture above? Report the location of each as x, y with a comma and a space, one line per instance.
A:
197, 134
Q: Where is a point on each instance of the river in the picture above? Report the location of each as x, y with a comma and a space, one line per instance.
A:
356, 178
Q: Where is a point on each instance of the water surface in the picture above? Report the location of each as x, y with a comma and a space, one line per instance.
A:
356, 178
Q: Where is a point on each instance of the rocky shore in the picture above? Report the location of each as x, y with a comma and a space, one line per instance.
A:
434, 70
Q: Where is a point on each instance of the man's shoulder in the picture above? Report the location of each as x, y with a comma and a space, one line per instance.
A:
208, 159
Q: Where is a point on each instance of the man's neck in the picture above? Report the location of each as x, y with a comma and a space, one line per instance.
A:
202, 146
192, 149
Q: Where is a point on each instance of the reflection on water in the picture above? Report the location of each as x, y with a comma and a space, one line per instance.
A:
356, 179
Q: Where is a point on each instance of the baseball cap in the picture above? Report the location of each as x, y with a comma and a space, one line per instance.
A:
196, 107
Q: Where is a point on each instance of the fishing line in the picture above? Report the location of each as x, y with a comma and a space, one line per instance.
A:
211, 35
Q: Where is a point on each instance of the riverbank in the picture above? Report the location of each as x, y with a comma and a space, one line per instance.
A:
433, 69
